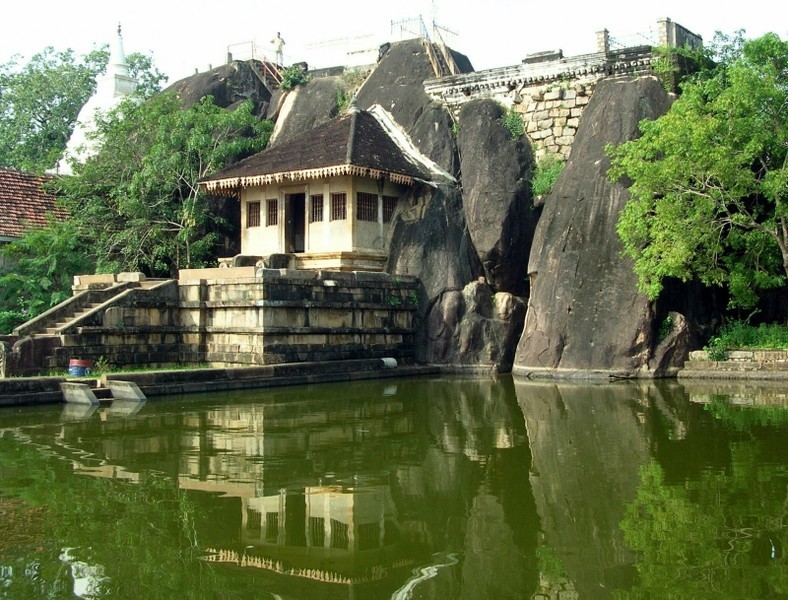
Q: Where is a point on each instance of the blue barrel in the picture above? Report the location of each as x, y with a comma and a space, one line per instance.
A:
78, 367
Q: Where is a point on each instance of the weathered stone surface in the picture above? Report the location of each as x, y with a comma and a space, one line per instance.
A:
229, 85
496, 194
429, 240
475, 327
673, 351
396, 84
307, 106
584, 310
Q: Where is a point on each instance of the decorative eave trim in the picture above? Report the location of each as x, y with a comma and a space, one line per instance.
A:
232, 185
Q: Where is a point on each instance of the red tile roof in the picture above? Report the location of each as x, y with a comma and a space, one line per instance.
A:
23, 203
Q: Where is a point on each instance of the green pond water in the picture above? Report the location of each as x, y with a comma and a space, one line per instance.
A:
440, 488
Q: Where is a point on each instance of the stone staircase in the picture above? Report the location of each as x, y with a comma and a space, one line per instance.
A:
67, 321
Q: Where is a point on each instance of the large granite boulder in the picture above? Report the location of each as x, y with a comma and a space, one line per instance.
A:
396, 84
229, 84
475, 327
497, 195
584, 311
307, 106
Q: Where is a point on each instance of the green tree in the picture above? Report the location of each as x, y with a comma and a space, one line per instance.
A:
40, 102
142, 187
43, 264
710, 179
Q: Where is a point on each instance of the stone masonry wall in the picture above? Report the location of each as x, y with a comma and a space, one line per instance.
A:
551, 91
286, 315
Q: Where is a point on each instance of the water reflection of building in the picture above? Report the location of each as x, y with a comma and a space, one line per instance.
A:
352, 488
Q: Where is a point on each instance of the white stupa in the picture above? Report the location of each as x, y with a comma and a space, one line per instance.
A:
111, 89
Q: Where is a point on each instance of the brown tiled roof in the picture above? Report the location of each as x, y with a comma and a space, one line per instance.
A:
354, 144
23, 203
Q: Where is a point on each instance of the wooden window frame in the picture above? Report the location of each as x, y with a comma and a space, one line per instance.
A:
272, 212
367, 207
389, 207
253, 214
339, 206
316, 208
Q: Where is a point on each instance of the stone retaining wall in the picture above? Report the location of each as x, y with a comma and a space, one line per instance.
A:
273, 316
739, 364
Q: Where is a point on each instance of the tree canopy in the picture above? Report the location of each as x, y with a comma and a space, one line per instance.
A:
142, 185
40, 102
710, 179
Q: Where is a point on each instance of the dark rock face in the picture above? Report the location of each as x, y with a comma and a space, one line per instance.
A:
475, 327
496, 194
584, 310
307, 106
396, 84
434, 238
672, 352
229, 85
429, 240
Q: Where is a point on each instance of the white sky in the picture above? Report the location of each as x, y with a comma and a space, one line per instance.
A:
185, 35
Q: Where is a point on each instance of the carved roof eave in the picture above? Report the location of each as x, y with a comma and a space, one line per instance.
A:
232, 186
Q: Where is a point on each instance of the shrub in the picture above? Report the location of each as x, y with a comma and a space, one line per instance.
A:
293, 76
547, 170
513, 121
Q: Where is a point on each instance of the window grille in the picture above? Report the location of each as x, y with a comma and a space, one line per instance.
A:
253, 214
389, 206
367, 207
272, 218
316, 210
338, 207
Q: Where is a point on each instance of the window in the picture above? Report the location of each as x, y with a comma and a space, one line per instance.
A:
339, 535
253, 214
316, 209
389, 206
271, 526
272, 218
367, 207
338, 207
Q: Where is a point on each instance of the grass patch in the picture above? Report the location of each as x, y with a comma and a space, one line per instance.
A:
738, 334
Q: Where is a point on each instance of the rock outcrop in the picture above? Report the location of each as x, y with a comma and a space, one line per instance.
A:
497, 199
584, 310
307, 106
397, 84
229, 84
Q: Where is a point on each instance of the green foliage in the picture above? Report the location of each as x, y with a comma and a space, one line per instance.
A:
548, 168
143, 184
710, 180
513, 121
673, 64
665, 328
44, 262
293, 76
740, 334
715, 349
40, 102
710, 537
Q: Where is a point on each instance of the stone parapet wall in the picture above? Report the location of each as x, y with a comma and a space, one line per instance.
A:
550, 95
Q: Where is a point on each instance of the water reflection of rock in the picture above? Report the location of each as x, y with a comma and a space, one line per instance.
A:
587, 444
354, 487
